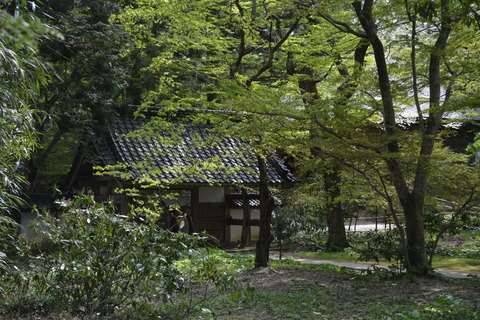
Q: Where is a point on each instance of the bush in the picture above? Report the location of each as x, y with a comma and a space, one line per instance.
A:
6, 228
381, 244
9, 248
102, 265
284, 225
316, 242
464, 251
308, 224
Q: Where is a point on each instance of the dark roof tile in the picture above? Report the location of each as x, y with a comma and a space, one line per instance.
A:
236, 164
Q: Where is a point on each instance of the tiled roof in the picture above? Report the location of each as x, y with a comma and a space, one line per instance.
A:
195, 156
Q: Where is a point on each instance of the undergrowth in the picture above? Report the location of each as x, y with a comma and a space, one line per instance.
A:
103, 266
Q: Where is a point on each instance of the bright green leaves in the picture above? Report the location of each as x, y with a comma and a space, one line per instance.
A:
188, 45
194, 49
22, 74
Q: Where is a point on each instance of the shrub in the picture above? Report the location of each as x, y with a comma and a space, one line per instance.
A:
7, 226
464, 251
307, 227
102, 265
381, 244
284, 225
10, 247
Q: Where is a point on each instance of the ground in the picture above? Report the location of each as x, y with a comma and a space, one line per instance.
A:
291, 293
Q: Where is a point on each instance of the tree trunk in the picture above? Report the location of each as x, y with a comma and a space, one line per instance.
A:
262, 253
280, 249
415, 233
337, 237
412, 202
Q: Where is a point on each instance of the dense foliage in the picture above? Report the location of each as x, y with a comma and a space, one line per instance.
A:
359, 96
22, 74
316, 80
88, 85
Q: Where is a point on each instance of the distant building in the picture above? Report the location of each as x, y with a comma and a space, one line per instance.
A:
206, 170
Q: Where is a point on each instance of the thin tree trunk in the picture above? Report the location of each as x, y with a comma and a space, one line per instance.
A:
262, 252
280, 249
400, 228
450, 223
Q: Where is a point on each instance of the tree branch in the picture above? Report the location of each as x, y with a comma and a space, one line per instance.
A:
241, 47
400, 228
342, 26
272, 52
413, 60
450, 223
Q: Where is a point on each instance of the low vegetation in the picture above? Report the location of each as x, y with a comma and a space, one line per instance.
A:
291, 291
92, 263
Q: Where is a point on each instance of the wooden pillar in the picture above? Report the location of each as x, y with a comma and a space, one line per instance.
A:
194, 208
246, 229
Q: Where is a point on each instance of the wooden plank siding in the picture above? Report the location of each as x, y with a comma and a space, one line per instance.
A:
211, 218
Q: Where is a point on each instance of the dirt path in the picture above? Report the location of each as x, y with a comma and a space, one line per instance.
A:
366, 266
350, 265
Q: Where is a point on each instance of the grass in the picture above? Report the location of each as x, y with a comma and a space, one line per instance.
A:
295, 303
343, 256
457, 264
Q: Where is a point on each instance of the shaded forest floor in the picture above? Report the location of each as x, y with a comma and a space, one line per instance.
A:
315, 293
